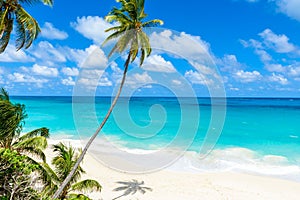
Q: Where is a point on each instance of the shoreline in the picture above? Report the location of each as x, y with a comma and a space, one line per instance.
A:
168, 184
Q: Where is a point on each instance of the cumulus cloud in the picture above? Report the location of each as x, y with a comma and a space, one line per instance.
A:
70, 71
176, 82
259, 49
278, 78
157, 63
92, 27
275, 68
68, 81
50, 32
138, 79
289, 7
25, 78
279, 43
229, 63
91, 57
12, 55
47, 53
197, 78
182, 44
247, 77
92, 83
44, 71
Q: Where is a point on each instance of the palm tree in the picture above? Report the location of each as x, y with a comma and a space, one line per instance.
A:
63, 162
27, 28
131, 187
130, 18
11, 123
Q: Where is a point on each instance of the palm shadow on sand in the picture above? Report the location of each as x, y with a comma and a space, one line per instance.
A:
131, 187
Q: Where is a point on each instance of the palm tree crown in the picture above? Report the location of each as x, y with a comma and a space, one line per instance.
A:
27, 28
130, 29
63, 162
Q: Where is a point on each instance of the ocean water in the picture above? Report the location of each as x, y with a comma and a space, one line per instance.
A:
260, 135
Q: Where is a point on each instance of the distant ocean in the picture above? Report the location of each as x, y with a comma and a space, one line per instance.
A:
260, 135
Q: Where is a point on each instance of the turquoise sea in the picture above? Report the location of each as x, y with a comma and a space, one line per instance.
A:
260, 135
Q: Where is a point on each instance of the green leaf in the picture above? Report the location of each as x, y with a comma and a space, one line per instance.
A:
86, 186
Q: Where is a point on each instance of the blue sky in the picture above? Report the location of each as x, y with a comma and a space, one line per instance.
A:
254, 44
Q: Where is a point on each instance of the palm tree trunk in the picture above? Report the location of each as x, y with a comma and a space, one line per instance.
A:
69, 177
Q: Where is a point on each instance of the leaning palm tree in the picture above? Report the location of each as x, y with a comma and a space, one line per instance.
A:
63, 162
27, 28
129, 31
131, 187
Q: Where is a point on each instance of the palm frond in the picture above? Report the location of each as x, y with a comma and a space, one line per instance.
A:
5, 34
3, 18
153, 23
36, 152
86, 186
11, 119
37, 132
65, 161
4, 95
134, 49
21, 34
32, 2
49, 175
35, 142
30, 25
113, 36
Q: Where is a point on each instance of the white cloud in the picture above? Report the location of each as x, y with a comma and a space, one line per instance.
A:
229, 63
247, 77
275, 68
12, 55
294, 71
44, 71
135, 79
91, 57
289, 7
70, 71
279, 43
182, 44
176, 82
92, 83
157, 63
68, 81
96, 58
47, 53
259, 49
50, 32
197, 78
278, 78
24, 78
92, 27
234, 89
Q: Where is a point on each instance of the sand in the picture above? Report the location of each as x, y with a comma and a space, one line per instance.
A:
174, 185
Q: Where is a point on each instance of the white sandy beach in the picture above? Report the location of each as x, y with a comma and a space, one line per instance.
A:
173, 185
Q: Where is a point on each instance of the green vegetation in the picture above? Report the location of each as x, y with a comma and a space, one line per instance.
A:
16, 176
27, 28
63, 162
130, 19
24, 173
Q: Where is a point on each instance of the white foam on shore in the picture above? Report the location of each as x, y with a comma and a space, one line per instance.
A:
219, 160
